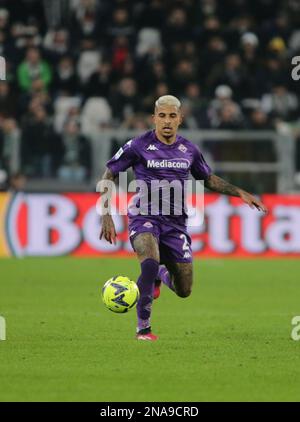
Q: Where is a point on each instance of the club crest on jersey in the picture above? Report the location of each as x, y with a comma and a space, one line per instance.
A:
182, 148
148, 225
152, 148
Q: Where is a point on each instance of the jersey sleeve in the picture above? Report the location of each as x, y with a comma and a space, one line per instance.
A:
200, 169
126, 157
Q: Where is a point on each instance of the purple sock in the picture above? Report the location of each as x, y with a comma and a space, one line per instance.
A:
145, 284
164, 276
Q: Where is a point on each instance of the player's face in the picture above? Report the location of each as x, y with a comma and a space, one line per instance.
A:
167, 120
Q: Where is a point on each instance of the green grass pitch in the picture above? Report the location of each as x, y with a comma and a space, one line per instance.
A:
229, 341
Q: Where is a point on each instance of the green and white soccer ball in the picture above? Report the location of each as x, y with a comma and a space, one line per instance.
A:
120, 294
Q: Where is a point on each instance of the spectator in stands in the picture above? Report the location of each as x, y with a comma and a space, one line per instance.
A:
99, 84
212, 53
120, 53
4, 19
83, 7
56, 44
177, 28
277, 47
209, 28
6, 49
281, 103
184, 73
149, 43
3, 179
196, 104
16, 182
239, 23
159, 90
281, 25
8, 100
125, 102
233, 74
76, 158
259, 120
249, 51
190, 120
10, 154
96, 114
65, 79
294, 43
66, 106
120, 25
38, 94
223, 96
152, 14
40, 145
89, 59
85, 20
155, 74
32, 68
230, 117
24, 37
273, 72
129, 69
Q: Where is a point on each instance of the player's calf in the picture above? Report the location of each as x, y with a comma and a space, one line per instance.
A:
149, 271
183, 292
182, 277
146, 248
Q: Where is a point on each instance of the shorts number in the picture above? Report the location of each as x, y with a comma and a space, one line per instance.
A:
186, 246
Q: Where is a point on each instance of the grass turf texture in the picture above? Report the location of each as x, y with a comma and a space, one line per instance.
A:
229, 341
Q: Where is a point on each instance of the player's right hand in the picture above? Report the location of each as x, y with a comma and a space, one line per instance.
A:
108, 230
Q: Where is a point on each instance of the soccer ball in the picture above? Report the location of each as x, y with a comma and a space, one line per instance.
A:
120, 294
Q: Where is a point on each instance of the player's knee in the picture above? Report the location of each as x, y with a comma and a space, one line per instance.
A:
146, 247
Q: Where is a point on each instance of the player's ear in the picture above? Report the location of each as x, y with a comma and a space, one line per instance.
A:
181, 116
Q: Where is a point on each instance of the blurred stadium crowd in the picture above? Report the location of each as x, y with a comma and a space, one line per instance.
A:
75, 67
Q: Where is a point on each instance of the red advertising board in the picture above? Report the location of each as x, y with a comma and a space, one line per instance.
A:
68, 224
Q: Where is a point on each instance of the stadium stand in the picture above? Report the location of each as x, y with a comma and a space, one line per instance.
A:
78, 67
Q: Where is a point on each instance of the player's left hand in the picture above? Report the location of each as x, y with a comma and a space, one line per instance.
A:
252, 201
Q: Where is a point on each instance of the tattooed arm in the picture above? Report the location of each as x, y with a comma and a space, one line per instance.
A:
108, 230
219, 185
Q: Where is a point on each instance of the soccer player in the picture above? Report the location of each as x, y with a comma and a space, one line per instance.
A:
162, 154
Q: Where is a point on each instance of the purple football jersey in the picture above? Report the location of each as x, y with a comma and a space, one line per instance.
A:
154, 162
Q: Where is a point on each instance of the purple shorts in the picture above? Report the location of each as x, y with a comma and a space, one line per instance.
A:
173, 240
